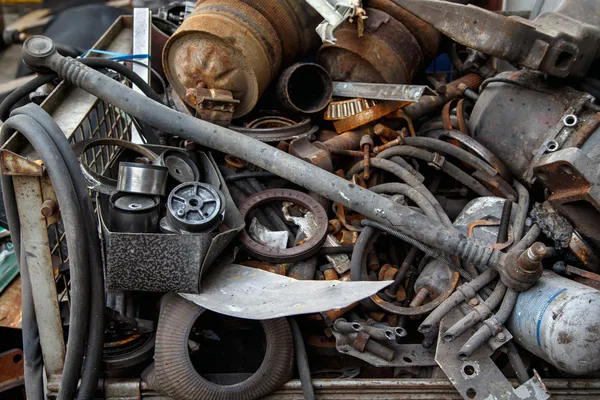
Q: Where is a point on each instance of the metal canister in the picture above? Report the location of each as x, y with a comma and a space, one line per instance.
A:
237, 45
386, 53
558, 320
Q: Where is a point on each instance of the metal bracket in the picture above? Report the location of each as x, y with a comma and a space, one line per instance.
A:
405, 355
479, 377
335, 13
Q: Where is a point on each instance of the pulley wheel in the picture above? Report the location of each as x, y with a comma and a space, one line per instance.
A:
195, 207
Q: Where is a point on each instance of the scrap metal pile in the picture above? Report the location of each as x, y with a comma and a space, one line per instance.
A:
329, 207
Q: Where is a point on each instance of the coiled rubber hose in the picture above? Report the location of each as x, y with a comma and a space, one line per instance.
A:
175, 373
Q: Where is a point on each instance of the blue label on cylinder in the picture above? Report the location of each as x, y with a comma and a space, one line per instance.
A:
541, 315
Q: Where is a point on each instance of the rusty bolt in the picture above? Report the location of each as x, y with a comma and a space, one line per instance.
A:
501, 337
366, 144
537, 251
49, 208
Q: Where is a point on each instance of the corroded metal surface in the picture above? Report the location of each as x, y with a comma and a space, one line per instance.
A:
386, 53
11, 369
10, 305
369, 115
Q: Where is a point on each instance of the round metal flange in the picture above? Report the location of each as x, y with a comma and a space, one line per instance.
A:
272, 254
142, 179
123, 356
195, 207
181, 167
133, 213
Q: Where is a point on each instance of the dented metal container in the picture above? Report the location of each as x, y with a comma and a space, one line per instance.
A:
237, 45
386, 53
559, 321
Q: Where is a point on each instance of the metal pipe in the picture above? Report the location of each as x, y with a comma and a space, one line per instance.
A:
39, 53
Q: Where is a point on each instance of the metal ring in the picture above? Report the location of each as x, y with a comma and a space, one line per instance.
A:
570, 120
290, 129
272, 254
552, 146
96, 181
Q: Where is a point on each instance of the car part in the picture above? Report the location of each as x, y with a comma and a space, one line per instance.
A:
181, 167
386, 53
195, 207
567, 51
142, 179
555, 321
251, 293
379, 91
134, 213
346, 108
178, 378
237, 46
304, 88
96, 181
275, 127
297, 253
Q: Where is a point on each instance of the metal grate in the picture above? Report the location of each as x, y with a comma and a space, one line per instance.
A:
102, 121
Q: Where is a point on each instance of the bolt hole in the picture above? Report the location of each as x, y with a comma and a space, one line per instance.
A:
194, 202
356, 327
469, 370
552, 145
570, 120
17, 358
471, 393
135, 206
177, 171
407, 359
564, 60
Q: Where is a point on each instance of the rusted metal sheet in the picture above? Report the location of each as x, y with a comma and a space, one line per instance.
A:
11, 369
10, 305
13, 164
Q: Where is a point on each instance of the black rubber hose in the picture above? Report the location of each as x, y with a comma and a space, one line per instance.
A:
504, 222
264, 156
22, 91
522, 211
447, 167
96, 62
302, 362
177, 376
326, 251
410, 179
247, 175
359, 258
95, 342
78, 254
32, 352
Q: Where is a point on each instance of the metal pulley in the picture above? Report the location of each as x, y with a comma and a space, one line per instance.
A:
194, 207
134, 213
181, 167
142, 179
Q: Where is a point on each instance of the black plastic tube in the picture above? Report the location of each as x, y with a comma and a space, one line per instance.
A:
311, 177
23, 91
95, 342
516, 362
522, 211
302, 361
78, 256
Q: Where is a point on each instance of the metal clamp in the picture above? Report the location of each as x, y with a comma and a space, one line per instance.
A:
335, 13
